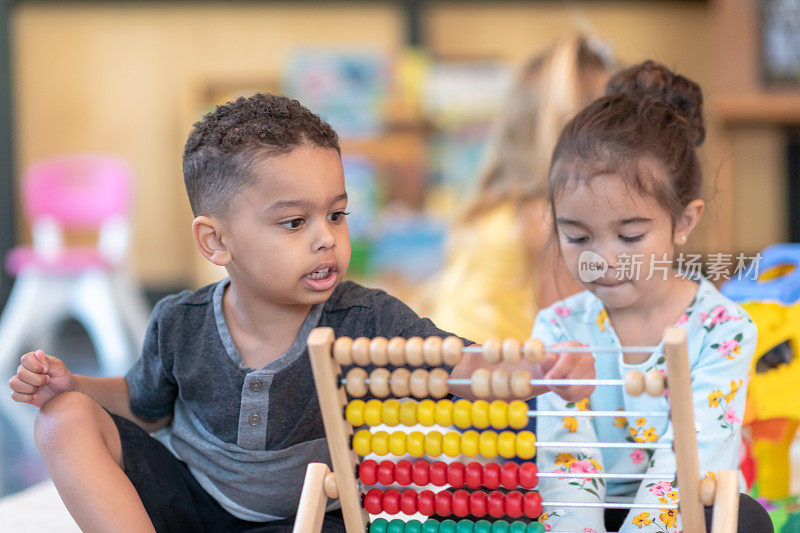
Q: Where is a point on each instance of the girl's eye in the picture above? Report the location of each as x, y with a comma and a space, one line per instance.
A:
338, 216
635, 238
577, 240
294, 223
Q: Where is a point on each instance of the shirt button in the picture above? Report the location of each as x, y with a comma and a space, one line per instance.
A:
254, 419
256, 385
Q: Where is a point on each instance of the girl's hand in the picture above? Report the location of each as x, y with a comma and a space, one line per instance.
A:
39, 378
570, 366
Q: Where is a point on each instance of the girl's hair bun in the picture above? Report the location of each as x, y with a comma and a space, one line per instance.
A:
651, 81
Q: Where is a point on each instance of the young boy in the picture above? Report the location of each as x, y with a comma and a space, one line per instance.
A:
224, 372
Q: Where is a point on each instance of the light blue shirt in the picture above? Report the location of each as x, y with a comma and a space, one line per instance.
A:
721, 341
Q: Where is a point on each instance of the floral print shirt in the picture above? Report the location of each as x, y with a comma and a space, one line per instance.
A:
721, 341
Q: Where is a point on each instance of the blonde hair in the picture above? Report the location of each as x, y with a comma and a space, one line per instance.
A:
548, 91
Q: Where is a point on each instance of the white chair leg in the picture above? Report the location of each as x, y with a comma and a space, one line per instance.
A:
95, 308
133, 305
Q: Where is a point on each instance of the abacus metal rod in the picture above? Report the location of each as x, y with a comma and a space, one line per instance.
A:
579, 349
610, 505
624, 414
634, 445
604, 475
554, 382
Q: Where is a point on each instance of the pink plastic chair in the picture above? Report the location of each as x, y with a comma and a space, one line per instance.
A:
54, 281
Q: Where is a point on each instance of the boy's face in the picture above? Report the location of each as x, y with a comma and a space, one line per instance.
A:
286, 232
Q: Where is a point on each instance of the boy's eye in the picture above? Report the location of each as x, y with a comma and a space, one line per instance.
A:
294, 223
635, 238
338, 216
576, 240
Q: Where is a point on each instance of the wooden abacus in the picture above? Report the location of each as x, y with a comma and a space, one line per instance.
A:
349, 478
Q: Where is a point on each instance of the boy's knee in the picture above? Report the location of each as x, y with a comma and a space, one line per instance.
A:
63, 415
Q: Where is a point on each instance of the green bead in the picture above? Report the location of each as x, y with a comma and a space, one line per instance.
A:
464, 526
413, 526
535, 527
517, 527
396, 526
500, 526
483, 526
447, 526
378, 526
430, 526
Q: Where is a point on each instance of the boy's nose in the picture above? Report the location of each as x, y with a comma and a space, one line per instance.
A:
324, 238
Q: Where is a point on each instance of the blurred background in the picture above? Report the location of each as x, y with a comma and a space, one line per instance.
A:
413, 88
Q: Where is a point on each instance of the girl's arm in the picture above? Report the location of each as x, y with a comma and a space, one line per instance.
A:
719, 386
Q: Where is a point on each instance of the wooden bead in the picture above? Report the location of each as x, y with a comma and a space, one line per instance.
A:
451, 350
634, 383
329, 486
521, 384
343, 351
399, 382
500, 384
361, 351
414, 351
379, 382
491, 350
437, 383
418, 383
432, 351
481, 383
378, 351
654, 383
533, 350
396, 351
512, 351
355, 382
708, 490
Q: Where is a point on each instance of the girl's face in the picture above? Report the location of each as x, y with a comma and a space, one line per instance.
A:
602, 223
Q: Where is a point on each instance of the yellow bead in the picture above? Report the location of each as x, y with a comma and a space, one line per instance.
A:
415, 442
408, 413
433, 444
462, 414
517, 414
498, 414
372, 413
469, 443
526, 445
426, 412
380, 443
354, 412
362, 442
487, 444
444, 413
451, 444
390, 412
480, 414
507, 444
397, 443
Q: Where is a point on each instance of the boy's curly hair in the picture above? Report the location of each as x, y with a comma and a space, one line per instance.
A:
223, 147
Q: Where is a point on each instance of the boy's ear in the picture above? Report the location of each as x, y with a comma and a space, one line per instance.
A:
207, 234
688, 220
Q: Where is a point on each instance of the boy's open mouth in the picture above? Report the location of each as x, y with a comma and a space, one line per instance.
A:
320, 274
323, 277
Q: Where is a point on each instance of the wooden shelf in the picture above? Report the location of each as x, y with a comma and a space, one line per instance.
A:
773, 109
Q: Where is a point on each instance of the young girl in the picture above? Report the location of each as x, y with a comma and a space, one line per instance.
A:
625, 188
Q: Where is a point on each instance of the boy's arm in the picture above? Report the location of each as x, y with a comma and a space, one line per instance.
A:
114, 396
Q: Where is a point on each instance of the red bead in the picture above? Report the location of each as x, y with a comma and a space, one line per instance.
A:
385, 473
438, 473
491, 475
477, 504
408, 501
509, 475
372, 501
461, 503
402, 472
455, 475
532, 504
528, 475
443, 503
514, 504
474, 475
367, 472
419, 473
426, 503
391, 501
496, 504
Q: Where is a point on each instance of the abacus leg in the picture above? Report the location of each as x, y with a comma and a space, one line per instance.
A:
311, 509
